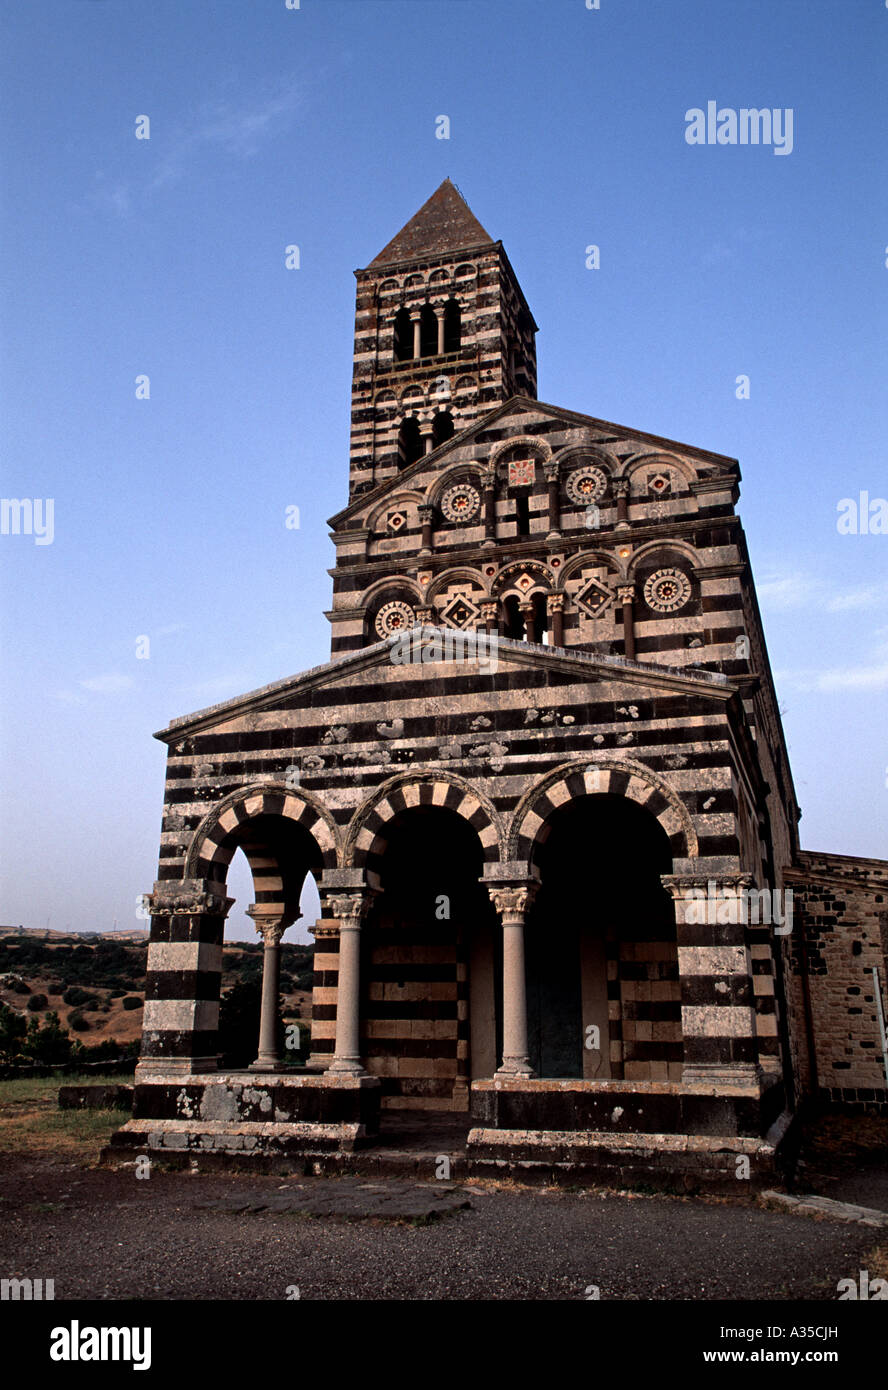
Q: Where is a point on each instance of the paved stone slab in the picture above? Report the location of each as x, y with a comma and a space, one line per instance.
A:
347, 1197
807, 1204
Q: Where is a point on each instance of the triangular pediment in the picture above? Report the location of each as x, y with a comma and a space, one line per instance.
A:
347, 675
511, 416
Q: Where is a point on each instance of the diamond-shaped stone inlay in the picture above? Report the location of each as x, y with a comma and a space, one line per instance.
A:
593, 598
659, 483
524, 582
460, 611
396, 521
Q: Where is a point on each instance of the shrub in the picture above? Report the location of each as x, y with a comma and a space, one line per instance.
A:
75, 996
78, 1022
37, 1002
20, 987
132, 1002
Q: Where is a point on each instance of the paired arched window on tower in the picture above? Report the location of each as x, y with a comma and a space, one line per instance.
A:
440, 332
410, 446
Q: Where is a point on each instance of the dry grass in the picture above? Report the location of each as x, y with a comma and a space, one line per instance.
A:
31, 1122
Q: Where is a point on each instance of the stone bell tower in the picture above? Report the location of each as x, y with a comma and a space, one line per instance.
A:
443, 335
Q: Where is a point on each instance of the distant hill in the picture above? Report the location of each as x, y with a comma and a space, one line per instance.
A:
44, 934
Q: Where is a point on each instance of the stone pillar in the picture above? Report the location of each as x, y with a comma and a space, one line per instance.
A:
350, 909
552, 482
490, 615
414, 319
555, 609
527, 612
426, 516
512, 904
440, 317
715, 969
621, 492
271, 924
625, 595
428, 440
489, 510
180, 1021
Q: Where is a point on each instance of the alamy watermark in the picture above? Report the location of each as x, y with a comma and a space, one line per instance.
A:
772, 906
421, 645
28, 517
746, 126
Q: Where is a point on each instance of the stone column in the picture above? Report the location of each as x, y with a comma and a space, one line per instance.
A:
552, 482
527, 612
621, 492
715, 969
512, 904
489, 489
440, 317
414, 319
490, 615
625, 595
180, 1021
271, 924
350, 909
555, 609
426, 516
428, 439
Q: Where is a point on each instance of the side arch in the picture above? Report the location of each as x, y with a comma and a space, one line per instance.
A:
214, 843
593, 777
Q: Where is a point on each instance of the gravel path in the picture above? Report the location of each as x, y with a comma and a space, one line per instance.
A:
104, 1234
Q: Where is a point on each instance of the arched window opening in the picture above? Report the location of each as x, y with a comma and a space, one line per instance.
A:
409, 442
403, 336
428, 332
513, 622
442, 428
522, 513
540, 620
452, 326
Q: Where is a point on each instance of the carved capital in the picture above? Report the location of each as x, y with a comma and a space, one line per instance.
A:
271, 924
551, 471
620, 487
512, 903
349, 908
426, 512
555, 603
188, 897
625, 593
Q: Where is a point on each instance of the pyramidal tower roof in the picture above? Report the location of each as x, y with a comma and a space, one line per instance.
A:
444, 223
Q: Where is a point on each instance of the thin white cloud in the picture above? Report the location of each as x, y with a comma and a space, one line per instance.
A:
781, 592
111, 684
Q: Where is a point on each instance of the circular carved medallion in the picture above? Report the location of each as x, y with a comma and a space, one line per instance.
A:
667, 590
461, 502
393, 617
586, 485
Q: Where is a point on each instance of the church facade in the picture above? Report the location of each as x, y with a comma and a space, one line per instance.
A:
542, 785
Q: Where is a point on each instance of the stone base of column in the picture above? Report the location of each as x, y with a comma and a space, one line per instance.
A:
352, 1066
515, 1066
267, 1064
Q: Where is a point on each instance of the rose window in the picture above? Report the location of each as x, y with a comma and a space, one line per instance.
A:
667, 590
586, 485
394, 617
460, 503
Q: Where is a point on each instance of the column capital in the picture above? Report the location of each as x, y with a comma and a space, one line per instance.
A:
551, 470
620, 487
270, 922
349, 908
188, 897
512, 901
626, 593
426, 511
555, 603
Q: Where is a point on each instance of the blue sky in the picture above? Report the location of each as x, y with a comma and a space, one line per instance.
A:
316, 127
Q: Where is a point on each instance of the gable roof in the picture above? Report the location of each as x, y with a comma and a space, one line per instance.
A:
582, 665
445, 222
517, 405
